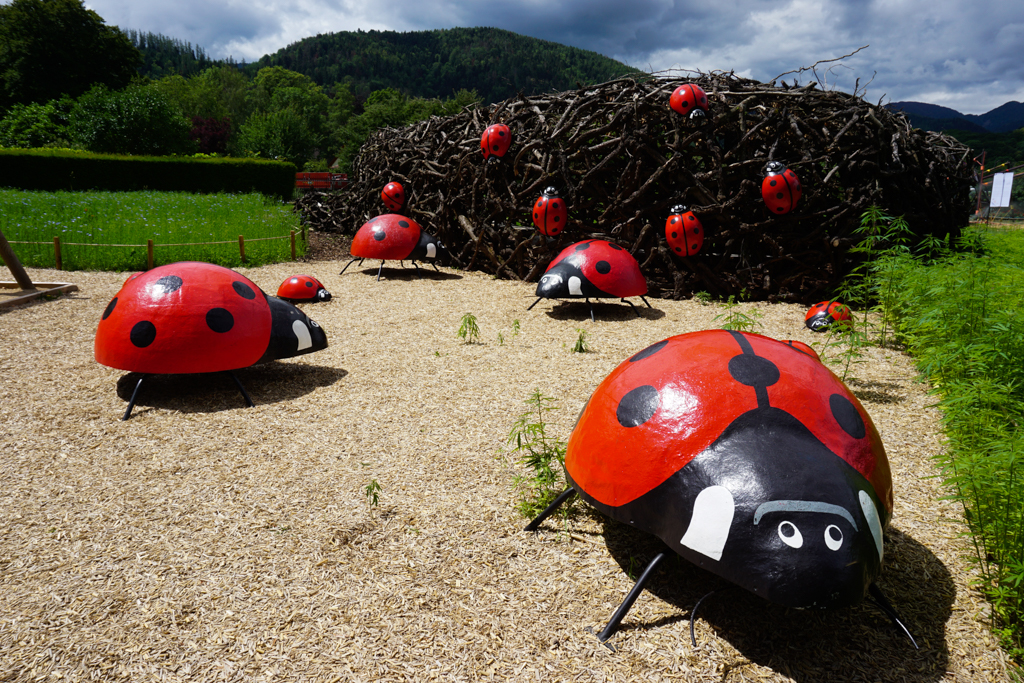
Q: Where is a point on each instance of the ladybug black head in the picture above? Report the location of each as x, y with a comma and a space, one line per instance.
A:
774, 168
550, 192
698, 116
678, 209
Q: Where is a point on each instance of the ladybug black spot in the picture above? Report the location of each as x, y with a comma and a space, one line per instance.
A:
847, 416
638, 406
501, 133
110, 308
603, 267
143, 334
696, 231
557, 218
379, 235
675, 219
494, 148
679, 249
219, 319
773, 183
582, 246
308, 283
404, 224
243, 290
615, 246
649, 351
675, 235
778, 195
753, 371
169, 283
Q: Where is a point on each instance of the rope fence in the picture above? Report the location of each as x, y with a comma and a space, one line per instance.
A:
150, 246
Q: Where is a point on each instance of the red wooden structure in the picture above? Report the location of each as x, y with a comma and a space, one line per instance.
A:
321, 181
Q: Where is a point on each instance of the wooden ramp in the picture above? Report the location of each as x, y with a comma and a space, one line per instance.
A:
23, 290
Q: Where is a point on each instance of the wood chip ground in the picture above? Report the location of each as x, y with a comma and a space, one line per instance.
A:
205, 541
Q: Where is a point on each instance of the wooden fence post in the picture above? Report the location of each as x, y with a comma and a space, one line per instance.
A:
149, 254
56, 252
293, 245
241, 247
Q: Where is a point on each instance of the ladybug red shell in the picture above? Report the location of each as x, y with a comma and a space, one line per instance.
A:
684, 233
496, 140
393, 196
593, 269
745, 455
549, 213
392, 237
303, 288
822, 314
194, 317
780, 188
688, 97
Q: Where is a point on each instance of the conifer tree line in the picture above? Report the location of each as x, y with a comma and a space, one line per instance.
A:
68, 80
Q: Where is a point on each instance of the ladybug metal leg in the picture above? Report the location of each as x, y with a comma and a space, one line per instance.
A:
644, 299
379, 270
591, 310
349, 264
633, 307
135, 395
242, 389
613, 624
435, 266
883, 603
555, 504
693, 617
535, 302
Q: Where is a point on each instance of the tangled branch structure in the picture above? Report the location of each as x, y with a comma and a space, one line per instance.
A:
621, 158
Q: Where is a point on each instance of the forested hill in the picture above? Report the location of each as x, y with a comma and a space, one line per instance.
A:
494, 62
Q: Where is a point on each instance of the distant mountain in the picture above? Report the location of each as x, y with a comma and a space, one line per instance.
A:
1002, 119
494, 62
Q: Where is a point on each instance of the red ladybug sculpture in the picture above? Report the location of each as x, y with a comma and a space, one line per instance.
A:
690, 100
496, 140
683, 231
593, 269
392, 237
194, 317
821, 315
549, 213
780, 188
748, 457
302, 289
393, 196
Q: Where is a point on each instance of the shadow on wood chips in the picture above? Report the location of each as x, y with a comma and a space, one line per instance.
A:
212, 392
852, 644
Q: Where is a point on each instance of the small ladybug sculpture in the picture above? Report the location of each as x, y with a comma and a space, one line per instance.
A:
194, 317
393, 196
683, 231
495, 141
392, 237
303, 289
821, 315
549, 213
748, 458
593, 269
690, 100
780, 188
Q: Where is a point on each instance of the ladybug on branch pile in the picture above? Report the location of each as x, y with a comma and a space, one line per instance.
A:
748, 458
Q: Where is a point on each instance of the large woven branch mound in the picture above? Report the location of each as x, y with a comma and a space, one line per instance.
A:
622, 158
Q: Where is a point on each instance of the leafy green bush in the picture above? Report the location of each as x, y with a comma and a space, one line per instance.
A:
136, 120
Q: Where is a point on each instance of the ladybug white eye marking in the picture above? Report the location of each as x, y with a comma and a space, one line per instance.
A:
575, 286
790, 535
302, 334
431, 251
713, 511
833, 537
867, 506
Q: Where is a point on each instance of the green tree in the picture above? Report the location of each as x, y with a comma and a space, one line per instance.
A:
36, 125
277, 135
53, 47
137, 120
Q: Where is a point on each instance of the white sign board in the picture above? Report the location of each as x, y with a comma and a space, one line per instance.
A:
1001, 184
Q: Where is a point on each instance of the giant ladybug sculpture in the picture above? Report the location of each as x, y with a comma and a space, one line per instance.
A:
549, 213
194, 317
593, 269
780, 188
823, 314
393, 196
689, 100
303, 289
748, 458
495, 141
392, 237
683, 231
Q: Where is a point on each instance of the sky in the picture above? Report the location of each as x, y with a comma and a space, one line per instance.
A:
961, 54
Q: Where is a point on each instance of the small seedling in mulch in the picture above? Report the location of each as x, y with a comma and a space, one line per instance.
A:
738, 321
372, 492
581, 345
530, 446
469, 332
